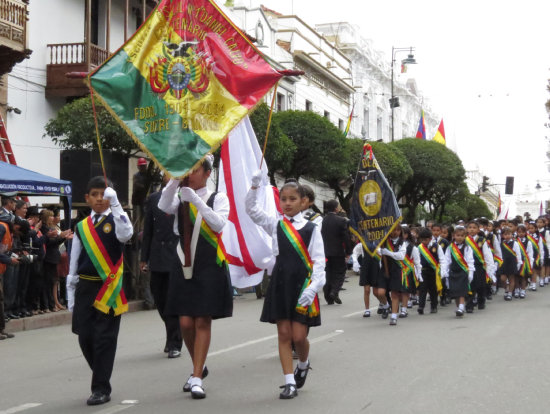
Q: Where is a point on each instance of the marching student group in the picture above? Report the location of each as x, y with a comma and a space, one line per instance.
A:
468, 264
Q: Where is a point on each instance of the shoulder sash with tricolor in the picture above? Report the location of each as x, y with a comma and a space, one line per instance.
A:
459, 257
496, 258
536, 249
509, 249
111, 294
478, 254
428, 256
526, 266
213, 238
406, 265
298, 243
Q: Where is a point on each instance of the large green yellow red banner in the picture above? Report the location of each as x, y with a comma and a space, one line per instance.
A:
182, 82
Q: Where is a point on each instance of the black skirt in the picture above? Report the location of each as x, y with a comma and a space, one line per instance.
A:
458, 284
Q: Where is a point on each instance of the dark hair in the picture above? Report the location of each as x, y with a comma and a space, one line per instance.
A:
98, 182
331, 205
406, 230
522, 227
425, 233
207, 164
24, 226
295, 185
309, 192
6, 200
437, 225
460, 229
19, 204
473, 222
506, 230
32, 211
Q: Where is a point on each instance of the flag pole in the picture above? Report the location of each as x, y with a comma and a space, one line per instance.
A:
269, 123
98, 139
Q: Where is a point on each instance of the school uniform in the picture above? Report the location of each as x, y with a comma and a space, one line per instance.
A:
484, 269
535, 240
459, 278
202, 289
290, 272
511, 258
431, 257
545, 236
96, 313
370, 273
313, 216
396, 250
526, 250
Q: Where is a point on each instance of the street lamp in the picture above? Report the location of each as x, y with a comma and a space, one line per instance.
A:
410, 60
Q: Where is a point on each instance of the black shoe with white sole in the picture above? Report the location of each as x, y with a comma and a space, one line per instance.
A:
289, 392
300, 375
197, 392
187, 385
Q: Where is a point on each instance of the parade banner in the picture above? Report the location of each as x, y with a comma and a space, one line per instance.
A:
374, 212
181, 83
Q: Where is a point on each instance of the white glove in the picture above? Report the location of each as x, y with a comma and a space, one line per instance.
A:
419, 277
172, 182
72, 280
493, 278
383, 251
470, 277
187, 194
379, 251
110, 194
307, 297
257, 178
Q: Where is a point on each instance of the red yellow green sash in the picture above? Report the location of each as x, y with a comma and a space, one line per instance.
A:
479, 254
409, 263
213, 238
526, 266
428, 256
298, 243
459, 258
536, 249
509, 249
111, 294
496, 258
406, 266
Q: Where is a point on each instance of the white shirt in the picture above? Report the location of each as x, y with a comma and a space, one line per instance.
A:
315, 248
468, 257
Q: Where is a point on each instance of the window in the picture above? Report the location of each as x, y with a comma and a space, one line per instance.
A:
340, 125
309, 105
280, 102
327, 115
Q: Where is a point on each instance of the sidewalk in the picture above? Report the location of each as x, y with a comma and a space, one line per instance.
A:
55, 319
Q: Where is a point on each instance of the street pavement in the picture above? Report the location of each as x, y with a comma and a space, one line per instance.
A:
492, 361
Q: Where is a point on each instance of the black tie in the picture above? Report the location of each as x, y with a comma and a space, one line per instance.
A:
96, 218
291, 220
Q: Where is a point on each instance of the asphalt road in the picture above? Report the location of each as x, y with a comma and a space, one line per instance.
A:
492, 361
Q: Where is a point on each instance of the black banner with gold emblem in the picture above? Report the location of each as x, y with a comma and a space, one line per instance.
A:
374, 210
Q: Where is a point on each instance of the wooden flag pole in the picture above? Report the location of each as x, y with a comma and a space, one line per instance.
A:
98, 139
269, 123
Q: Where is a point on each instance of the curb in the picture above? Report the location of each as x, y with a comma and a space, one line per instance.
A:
56, 319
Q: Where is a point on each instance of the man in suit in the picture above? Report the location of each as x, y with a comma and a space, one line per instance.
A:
158, 252
336, 240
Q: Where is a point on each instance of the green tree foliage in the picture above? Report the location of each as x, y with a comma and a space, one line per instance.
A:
280, 150
73, 128
437, 175
393, 163
465, 206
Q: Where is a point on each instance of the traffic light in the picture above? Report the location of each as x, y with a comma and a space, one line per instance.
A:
485, 184
509, 189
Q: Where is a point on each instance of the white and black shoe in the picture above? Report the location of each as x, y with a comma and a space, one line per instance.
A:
197, 392
403, 313
393, 321
459, 312
366, 314
289, 392
300, 375
187, 385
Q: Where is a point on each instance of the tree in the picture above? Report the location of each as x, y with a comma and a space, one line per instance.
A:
280, 150
437, 175
74, 128
465, 206
393, 163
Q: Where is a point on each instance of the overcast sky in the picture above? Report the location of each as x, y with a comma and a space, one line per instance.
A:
483, 65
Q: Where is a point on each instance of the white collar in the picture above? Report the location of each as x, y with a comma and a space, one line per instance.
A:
105, 213
201, 192
297, 218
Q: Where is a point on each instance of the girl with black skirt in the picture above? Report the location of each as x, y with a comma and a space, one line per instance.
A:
291, 299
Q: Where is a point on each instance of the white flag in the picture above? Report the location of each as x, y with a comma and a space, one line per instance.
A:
247, 246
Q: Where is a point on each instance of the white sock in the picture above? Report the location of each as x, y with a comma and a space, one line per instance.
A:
394, 315
386, 306
289, 379
461, 306
303, 365
195, 381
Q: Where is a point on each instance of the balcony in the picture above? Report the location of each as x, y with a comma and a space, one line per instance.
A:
13, 33
71, 57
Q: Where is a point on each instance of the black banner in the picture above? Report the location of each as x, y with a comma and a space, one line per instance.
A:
374, 210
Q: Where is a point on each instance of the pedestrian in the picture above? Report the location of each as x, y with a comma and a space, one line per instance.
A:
511, 262
310, 212
291, 300
431, 257
369, 272
484, 266
94, 283
158, 252
545, 252
535, 240
200, 287
458, 267
526, 270
6, 260
335, 235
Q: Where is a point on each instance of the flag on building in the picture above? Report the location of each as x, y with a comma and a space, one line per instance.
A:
440, 134
348, 126
421, 133
181, 83
374, 212
541, 210
247, 246
499, 206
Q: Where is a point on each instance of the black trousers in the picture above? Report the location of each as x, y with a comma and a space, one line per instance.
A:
22, 287
159, 289
478, 287
335, 269
428, 286
97, 334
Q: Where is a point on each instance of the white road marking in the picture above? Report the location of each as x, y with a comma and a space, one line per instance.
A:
349, 315
114, 409
311, 341
244, 344
20, 408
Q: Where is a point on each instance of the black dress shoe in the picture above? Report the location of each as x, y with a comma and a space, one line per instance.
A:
197, 392
7, 334
289, 391
433, 310
174, 353
187, 385
337, 300
166, 350
13, 316
300, 375
98, 398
